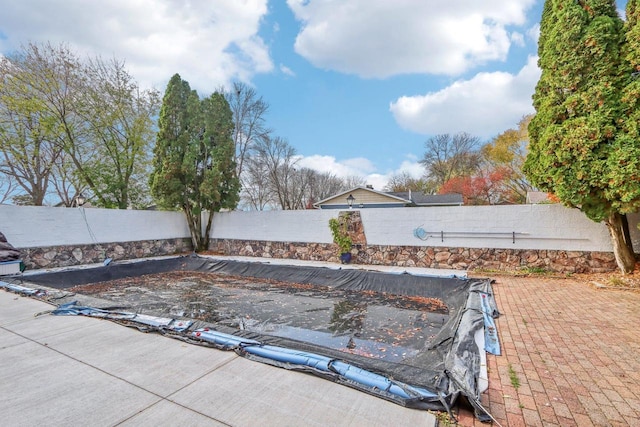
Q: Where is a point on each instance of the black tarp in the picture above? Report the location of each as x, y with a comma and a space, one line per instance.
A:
7, 251
447, 364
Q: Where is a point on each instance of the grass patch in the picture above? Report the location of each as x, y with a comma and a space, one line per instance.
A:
616, 281
513, 376
535, 270
619, 282
444, 419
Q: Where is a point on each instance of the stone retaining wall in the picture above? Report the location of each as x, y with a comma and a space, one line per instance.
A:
404, 256
64, 256
427, 257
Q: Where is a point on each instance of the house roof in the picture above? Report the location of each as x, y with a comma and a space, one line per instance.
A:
345, 194
389, 199
421, 199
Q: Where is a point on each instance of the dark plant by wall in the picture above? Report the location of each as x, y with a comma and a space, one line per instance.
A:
340, 235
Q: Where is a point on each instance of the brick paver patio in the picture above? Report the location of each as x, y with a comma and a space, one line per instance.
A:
574, 349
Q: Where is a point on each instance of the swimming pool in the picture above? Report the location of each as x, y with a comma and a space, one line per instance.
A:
370, 330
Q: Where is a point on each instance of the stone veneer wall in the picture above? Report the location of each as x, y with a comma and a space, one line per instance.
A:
427, 257
64, 256
550, 236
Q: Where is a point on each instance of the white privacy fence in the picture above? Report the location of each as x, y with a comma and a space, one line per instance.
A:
35, 226
546, 226
551, 227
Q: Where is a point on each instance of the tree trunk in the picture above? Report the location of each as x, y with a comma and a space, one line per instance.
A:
627, 233
625, 258
207, 231
193, 228
197, 229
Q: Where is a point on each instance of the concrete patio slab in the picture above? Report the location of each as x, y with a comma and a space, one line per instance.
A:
40, 328
148, 361
59, 370
17, 313
169, 413
277, 397
8, 339
43, 387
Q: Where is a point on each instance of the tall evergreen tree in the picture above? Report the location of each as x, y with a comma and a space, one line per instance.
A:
193, 161
625, 159
575, 136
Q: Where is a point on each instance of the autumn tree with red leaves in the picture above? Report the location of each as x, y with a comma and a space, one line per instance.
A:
485, 188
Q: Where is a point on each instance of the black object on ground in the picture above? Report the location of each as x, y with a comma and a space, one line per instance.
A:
419, 330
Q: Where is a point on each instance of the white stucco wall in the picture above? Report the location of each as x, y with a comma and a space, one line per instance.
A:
634, 220
543, 226
308, 226
547, 226
35, 226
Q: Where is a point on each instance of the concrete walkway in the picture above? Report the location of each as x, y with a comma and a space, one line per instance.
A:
59, 370
573, 351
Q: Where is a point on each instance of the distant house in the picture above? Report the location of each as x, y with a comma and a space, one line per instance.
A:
367, 197
418, 198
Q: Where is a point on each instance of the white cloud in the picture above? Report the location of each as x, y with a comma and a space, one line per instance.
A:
358, 166
484, 106
534, 33
207, 43
377, 181
287, 71
517, 39
361, 167
381, 38
412, 167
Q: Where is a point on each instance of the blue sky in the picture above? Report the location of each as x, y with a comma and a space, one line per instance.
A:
355, 86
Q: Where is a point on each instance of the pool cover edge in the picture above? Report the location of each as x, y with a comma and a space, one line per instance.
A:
456, 375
